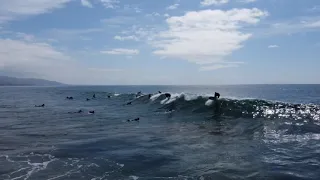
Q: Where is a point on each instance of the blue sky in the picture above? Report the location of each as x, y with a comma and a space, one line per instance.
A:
161, 42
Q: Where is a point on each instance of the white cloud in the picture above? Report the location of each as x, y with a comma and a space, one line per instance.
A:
146, 33
26, 37
124, 38
137, 10
297, 25
63, 35
247, 1
86, 3
12, 9
120, 51
75, 31
314, 24
128, 7
172, 7
31, 57
217, 66
213, 2
206, 36
314, 9
119, 20
154, 14
111, 4
41, 60
166, 15
220, 2
273, 46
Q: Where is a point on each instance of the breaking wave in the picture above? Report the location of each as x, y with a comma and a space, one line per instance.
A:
231, 107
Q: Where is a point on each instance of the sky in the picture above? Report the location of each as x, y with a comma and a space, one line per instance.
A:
165, 42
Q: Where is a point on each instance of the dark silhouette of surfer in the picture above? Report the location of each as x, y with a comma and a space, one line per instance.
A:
136, 119
39, 105
80, 111
88, 99
91, 112
216, 103
138, 94
94, 96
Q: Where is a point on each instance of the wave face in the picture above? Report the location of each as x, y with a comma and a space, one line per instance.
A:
238, 108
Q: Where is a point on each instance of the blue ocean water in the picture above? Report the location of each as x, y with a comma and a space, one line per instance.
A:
259, 132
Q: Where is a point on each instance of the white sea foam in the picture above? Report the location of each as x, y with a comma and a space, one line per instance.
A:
190, 97
155, 96
134, 177
28, 166
121, 165
209, 102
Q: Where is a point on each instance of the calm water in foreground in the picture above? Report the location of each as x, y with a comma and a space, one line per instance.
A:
261, 132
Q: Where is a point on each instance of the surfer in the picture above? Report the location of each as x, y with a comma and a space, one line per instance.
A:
138, 94
88, 99
168, 95
216, 101
216, 96
129, 103
80, 111
91, 112
136, 119
149, 95
94, 96
159, 92
39, 105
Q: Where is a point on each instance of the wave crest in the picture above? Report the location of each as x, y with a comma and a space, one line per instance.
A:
246, 108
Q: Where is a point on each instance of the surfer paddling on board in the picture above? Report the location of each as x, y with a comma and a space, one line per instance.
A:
39, 105
216, 101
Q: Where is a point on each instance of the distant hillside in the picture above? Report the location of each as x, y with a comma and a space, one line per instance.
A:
12, 81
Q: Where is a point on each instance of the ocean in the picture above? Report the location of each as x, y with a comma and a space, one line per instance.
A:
259, 132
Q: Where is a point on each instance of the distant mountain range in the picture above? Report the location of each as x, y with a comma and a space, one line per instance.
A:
12, 81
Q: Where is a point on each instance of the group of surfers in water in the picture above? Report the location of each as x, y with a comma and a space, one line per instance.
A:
214, 98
